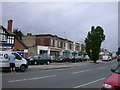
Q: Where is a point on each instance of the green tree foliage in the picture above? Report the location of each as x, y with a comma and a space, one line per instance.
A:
93, 41
18, 33
118, 52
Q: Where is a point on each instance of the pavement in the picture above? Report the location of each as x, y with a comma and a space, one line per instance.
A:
61, 65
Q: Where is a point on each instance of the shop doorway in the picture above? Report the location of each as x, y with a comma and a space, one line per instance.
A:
43, 51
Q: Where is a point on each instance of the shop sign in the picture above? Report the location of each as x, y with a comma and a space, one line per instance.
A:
54, 49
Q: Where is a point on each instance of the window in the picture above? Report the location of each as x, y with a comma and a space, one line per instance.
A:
59, 44
63, 44
3, 37
51, 42
55, 43
0, 37
66, 46
17, 56
10, 40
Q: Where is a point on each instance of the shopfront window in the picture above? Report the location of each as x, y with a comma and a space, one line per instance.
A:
43, 51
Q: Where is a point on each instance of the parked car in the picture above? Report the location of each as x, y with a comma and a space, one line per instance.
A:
40, 59
118, 58
106, 58
78, 59
86, 58
113, 81
61, 58
70, 58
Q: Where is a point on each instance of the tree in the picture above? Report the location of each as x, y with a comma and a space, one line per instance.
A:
18, 33
118, 52
93, 42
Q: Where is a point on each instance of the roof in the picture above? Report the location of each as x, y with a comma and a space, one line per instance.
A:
53, 36
7, 31
21, 42
12, 34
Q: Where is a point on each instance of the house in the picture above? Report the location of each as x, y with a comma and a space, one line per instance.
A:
50, 44
9, 41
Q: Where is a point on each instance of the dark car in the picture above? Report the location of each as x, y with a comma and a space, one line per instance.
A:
79, 58
61, 58
118, 58
113, 81
40, 59
69, 58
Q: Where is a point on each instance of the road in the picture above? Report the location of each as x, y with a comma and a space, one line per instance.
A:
87, 76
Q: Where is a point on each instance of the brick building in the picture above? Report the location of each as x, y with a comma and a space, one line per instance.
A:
9, 41
51, 44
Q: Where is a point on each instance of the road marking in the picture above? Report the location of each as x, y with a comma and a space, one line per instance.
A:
81, 71
89, 83
32, 78
48, 70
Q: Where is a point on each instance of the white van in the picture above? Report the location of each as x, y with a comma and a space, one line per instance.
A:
106, 58
20, 62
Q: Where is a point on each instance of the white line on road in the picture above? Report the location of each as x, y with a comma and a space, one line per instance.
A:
32, 78
81, 71
89, 83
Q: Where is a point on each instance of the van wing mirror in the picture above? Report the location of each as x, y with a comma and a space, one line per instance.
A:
113, 70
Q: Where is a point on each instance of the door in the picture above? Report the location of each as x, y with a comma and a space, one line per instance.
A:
18, 60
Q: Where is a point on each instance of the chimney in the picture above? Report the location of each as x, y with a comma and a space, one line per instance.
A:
10, 25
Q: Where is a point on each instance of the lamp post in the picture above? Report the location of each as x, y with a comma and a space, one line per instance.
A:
82, 47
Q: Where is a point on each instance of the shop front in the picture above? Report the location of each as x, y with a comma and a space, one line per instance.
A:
6, 47
55, 52
66, 52
74, 53
42, 50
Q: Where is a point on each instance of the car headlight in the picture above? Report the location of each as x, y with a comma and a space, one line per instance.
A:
107, 85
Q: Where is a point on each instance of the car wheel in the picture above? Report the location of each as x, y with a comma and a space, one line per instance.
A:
35, 62
48, 62
22, 68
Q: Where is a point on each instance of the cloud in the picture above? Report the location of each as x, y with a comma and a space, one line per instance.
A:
68, 20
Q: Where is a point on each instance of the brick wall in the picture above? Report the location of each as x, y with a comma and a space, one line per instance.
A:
18, 45
29, 40
43, 41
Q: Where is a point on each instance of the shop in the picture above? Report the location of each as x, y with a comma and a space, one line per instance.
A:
55, 52
6, 47
42, 50
66, 53
74, 53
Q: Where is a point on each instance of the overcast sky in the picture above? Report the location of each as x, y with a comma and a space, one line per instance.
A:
71, 20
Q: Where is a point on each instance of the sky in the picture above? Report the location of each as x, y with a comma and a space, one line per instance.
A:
71, 20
